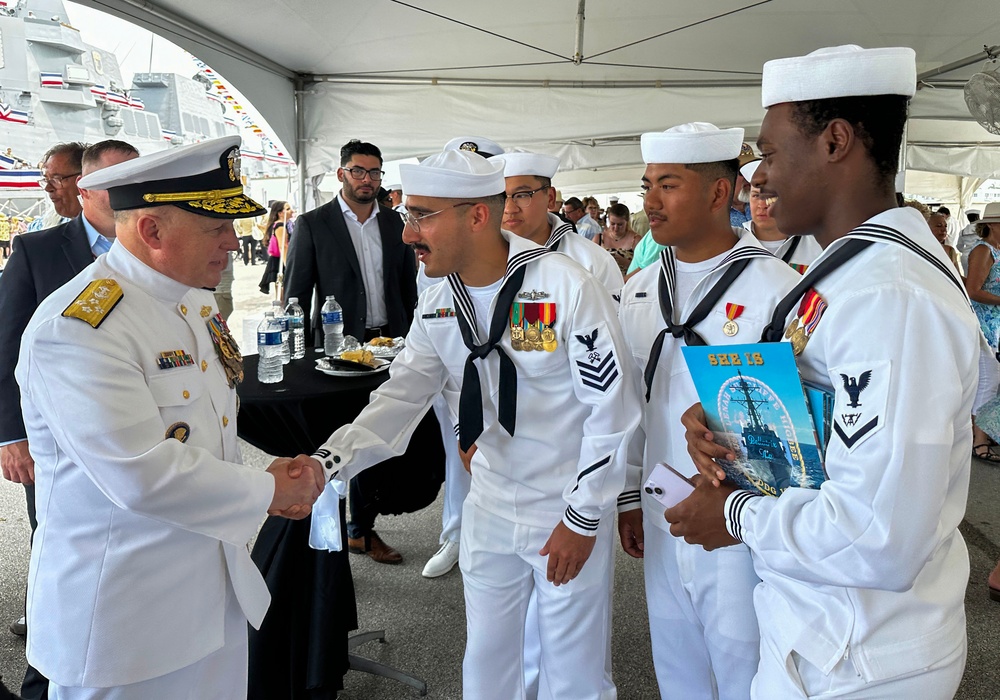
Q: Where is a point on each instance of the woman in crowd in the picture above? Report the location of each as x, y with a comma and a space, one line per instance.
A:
618, 238
983, 285
939, 227
276, 244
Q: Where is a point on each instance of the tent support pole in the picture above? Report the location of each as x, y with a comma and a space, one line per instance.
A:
300, 138
580, 20
988, 52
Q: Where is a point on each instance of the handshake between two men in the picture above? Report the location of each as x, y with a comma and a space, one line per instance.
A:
298, 483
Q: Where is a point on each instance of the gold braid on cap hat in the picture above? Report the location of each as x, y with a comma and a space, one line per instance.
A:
169, 197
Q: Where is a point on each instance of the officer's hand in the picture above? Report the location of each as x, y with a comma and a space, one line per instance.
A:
293, 496
467, 456
304, 464
17, 464
567, 552
701, 445
630, 532
700, 518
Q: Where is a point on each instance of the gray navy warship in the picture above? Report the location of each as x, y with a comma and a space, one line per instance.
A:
56, 87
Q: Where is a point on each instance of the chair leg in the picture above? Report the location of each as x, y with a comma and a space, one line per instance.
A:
360, 663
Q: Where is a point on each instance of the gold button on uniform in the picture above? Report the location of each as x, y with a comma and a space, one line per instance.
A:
184, 310
204, 366
186, 394
225, 421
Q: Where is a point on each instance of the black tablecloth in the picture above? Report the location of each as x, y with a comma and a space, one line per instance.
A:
300, 650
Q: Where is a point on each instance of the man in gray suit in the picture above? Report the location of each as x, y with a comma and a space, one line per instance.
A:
40, 263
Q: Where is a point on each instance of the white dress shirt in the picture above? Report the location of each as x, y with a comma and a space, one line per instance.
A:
367, 240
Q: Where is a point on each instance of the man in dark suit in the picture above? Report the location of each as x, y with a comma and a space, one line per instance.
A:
353, 249
40, 263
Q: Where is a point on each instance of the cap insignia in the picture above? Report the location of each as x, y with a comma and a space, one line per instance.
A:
234, 164
469, 146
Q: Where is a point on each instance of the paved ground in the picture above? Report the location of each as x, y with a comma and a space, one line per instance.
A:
425, 620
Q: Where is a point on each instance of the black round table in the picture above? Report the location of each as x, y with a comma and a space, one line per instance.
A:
301, 649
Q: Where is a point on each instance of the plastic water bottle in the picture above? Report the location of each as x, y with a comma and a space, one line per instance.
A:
269, 369
296, 328
279, 316
333, 326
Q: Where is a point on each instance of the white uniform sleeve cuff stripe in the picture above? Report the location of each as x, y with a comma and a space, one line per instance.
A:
735, 504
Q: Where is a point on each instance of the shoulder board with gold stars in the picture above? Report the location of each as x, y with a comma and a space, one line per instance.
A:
95, 302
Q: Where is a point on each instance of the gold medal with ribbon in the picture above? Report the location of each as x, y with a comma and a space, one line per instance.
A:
516, 326
733, 312
547, 317
811, 310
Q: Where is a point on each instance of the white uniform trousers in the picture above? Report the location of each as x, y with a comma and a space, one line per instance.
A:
456, 479
533, 649
222, 675
500, 568
701, 618
787, 675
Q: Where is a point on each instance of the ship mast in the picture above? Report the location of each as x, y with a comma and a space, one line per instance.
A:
751, 403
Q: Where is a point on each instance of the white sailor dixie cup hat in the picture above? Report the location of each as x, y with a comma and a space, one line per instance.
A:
517, 163
840, 71
203, 178
696, 142
453, 174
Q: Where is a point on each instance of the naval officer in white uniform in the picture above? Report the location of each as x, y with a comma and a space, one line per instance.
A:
526, 346
864, 579
140, 583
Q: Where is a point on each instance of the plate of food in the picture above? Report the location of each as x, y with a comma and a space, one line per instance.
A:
384, 347
352, 363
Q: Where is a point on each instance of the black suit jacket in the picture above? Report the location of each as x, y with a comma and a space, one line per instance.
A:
40, 262
321, 257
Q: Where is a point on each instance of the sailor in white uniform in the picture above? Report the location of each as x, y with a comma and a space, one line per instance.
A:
141, 584
863, 580
530, 196
526, 346
714, 285
797, 251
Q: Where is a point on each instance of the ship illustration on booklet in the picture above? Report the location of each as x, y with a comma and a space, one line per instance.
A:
755, 405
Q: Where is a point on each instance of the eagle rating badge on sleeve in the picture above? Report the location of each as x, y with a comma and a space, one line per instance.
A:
862, 394
597, 367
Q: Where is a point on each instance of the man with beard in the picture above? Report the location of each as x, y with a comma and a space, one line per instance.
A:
739, 210
353, 249
863, 580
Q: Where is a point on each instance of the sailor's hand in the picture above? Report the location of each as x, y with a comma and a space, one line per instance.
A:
700, 518
702, 447
567, 552
17, 464
467, 456
630, 532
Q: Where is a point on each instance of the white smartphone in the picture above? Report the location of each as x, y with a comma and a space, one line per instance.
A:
667, 485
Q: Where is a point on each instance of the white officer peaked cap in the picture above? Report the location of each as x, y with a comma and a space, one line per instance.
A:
485, 147
203, 178
519, 163
696, 142
453, 174
840, 71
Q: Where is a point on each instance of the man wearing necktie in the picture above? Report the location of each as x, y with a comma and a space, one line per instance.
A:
526, 347
41, 262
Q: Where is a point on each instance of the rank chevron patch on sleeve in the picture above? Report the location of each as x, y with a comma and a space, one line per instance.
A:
595, 360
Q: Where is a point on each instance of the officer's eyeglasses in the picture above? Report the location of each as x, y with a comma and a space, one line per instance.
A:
359, 173
414, 221
57, 181
522, 200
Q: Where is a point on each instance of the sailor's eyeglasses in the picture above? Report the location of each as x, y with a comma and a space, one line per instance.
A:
414, 221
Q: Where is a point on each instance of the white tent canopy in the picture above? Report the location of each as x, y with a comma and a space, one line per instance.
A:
409, 76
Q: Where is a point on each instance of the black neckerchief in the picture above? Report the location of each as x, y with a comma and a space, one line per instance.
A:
737, 260
470, 403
